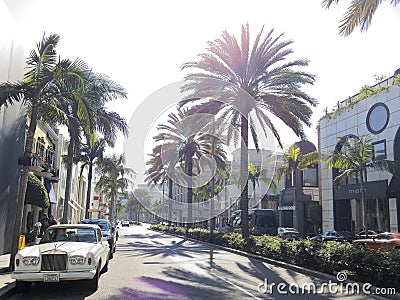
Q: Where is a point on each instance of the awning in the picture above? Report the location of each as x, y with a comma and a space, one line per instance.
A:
393, 189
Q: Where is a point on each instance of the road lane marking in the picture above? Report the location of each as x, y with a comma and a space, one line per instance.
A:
236, 286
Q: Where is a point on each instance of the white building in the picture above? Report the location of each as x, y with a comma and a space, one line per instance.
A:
379, 116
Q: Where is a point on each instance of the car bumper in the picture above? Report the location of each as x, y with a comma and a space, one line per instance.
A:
39, 276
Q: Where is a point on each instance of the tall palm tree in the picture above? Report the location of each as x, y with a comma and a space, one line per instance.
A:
90, 152
42, 88
354, 157
247, 84
182, 136
295, 160
111, 170
100, 90
358, 14
96, 91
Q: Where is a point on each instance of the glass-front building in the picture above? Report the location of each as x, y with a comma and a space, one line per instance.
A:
377, 115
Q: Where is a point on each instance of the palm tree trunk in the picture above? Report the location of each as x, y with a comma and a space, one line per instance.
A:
244, 161
189, 165
295, 202
364, 203
212, 221
170, 183
112, 207
68, 182
89, 189
23, 182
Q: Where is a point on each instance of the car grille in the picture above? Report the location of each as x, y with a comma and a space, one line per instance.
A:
54, 262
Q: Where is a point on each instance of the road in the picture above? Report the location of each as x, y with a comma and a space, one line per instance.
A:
152, 265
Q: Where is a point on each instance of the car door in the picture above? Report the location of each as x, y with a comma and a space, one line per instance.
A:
105, 248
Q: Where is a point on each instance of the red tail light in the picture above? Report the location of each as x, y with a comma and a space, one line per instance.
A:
253, 229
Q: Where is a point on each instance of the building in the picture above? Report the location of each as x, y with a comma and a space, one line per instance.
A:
79, 185
300, 197
374, 111
12, 127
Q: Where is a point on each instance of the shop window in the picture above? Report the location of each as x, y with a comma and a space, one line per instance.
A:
379, 150
310, 177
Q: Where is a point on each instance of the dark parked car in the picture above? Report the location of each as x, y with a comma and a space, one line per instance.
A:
110, 232
333, 235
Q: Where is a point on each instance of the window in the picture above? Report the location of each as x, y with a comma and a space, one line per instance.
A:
378, 118
379, 150
310, 177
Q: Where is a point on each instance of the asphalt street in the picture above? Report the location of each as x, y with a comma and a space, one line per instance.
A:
152, 265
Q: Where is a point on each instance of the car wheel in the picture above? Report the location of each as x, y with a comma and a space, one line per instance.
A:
94, 282
22, 286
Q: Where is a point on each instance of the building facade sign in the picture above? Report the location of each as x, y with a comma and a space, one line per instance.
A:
375, 189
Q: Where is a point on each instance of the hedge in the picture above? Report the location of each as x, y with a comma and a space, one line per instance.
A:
378, 268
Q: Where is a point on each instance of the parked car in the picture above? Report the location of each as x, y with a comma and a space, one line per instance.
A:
109, 231
371, 234
333, 235
288, 233
383, 241
125, 224
65, 252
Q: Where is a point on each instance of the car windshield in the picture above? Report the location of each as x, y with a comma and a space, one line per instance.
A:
69, 234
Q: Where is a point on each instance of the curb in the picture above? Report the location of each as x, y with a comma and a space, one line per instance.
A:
285, 265
5, 289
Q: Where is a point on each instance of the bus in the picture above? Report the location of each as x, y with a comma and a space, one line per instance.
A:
261, 221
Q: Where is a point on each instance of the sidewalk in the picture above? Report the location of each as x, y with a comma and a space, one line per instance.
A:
6, 283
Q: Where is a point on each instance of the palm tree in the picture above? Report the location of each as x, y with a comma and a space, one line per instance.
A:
111, 170
89, 153
140, 200
183, 143
354, 157
96, 91
358, 14
246, 86
41, 90
157, 174
295, 160
100, 89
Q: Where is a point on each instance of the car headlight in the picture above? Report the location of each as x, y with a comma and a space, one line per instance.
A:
77, 260
30, 260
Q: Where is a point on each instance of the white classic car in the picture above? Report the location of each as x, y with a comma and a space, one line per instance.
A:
66, 252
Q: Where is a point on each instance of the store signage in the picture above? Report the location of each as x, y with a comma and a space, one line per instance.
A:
374, 189
287, 207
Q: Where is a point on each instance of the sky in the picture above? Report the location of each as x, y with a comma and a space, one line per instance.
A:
142, 44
